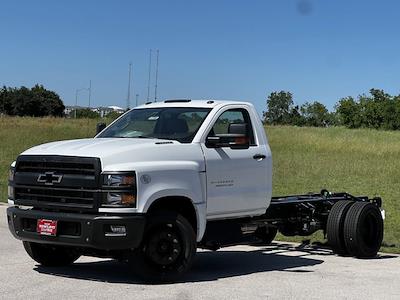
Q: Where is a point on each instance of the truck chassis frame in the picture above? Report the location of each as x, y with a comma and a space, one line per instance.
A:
301, 215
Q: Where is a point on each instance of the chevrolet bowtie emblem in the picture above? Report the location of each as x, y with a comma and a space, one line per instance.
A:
49, 178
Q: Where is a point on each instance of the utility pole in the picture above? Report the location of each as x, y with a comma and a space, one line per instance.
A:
90, 90
76, 96
155, 87
128, 99
76, 102
137, 98
148, 83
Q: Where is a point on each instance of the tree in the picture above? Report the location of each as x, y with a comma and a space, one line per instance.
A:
378, 110
296, 118
279, 108
393, 114
36, 102
349, 112
375, 110
5, 101
315, 114
51, 104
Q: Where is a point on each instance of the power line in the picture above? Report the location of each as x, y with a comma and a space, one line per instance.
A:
128, 98
148, 83
90, 90
155, 87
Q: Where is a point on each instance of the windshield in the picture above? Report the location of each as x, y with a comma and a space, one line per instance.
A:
171, 123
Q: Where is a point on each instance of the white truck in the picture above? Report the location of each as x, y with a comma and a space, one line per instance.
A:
164, 179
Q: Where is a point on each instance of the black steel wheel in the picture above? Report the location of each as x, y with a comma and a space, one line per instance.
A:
51, 255
335, 226
363, 230
167, 250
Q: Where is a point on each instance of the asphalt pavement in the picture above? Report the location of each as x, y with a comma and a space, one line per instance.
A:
279, 271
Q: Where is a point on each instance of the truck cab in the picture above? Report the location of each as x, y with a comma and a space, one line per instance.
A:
202, 160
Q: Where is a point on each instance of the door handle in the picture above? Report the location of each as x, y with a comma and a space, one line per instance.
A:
259, 156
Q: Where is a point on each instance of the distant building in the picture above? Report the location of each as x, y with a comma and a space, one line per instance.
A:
102, 110
116, 108
69, 110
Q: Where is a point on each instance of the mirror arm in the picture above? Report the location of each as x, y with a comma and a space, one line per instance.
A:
213, 141
100, 127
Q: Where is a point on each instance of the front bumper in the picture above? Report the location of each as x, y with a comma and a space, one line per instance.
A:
80, 230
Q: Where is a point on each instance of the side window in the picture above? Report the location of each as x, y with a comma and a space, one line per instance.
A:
193, 119
233, 116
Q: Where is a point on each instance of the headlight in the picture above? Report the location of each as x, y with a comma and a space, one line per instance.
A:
119, 190
10, 189
126, 199
11, 174
10, 192
119, 180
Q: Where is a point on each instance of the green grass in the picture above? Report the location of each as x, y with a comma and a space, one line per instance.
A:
305, 160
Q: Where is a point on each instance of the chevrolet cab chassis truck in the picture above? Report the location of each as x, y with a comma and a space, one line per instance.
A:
164, 179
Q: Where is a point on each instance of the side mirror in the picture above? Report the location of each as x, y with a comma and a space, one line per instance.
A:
231, 140
213, 142
100, 127
237, 128
241, 141
236, 138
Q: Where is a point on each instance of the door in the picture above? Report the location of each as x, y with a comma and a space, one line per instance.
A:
236, 178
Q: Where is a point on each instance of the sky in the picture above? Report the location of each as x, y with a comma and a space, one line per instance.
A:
319, 50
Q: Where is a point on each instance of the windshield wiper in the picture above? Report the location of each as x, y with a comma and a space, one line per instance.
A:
134, 137
147, 137
156, 138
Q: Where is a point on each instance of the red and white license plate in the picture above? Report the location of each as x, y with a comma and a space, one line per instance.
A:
46, 227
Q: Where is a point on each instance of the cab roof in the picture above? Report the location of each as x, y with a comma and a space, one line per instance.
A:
210, 103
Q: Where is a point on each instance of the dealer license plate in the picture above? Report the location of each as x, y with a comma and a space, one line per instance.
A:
46, 227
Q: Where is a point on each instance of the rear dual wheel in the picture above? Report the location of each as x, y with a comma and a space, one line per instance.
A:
355, 229
363, 230
335, 226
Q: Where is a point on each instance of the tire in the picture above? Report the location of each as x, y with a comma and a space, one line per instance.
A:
363, 230
335, 226
167, 250
266, 234
51, 255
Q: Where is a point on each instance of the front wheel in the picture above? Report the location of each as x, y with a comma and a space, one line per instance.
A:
168, 248
51, 255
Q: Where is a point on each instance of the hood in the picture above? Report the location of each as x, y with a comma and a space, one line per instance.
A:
119, 151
